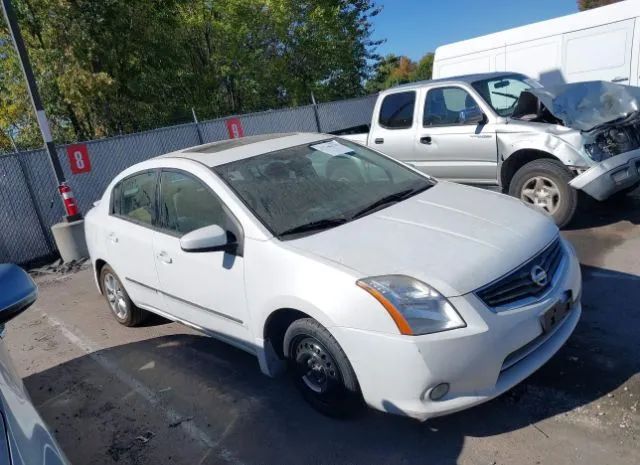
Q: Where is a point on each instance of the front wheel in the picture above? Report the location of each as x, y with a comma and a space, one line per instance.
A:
321, 369
544, 184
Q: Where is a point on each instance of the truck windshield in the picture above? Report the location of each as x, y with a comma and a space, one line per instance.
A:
309, 188
502, 92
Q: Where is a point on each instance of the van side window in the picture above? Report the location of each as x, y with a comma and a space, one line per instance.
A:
186, 204
442, 106
396, 111
134, 198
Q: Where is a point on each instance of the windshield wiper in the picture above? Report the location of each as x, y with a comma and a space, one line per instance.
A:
505, 94
390, 199
314, 226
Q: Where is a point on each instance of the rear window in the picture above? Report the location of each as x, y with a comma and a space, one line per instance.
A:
396, 111
134, 198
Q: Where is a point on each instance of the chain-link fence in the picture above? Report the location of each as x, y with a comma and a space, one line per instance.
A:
29, 202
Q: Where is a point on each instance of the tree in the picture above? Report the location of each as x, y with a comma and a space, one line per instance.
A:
118, 66
393, 70
424, 68
588, 4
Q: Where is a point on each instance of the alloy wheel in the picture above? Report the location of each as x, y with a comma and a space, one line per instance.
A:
115, 296
543, 193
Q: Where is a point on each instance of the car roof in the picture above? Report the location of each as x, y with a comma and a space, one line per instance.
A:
466, 78
226, 151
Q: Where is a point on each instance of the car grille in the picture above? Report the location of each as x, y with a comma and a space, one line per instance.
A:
519, 284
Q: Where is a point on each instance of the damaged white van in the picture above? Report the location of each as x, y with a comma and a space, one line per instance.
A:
539, 144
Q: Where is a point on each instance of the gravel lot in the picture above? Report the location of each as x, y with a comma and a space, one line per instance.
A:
165, 394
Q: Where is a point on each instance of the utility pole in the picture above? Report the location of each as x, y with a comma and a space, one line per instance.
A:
71, 208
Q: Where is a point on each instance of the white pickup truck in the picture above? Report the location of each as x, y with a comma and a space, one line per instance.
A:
538, 144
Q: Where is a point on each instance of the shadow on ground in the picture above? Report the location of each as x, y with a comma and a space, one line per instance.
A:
592, 213
99, 418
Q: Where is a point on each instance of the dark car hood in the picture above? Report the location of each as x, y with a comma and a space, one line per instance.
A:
582, 105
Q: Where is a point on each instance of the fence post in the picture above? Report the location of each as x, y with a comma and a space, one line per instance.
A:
195, 120
315, 112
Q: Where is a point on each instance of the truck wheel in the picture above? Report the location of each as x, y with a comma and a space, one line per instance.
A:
545, 185
321, 369
123, 309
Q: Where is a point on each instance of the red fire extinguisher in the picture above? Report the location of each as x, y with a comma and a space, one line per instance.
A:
70, 205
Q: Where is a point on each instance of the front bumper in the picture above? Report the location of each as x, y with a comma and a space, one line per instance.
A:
396, 373
610, 176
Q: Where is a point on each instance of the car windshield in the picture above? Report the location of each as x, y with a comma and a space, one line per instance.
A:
502, 92
308, 188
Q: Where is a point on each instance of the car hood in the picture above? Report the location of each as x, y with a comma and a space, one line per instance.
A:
582, 105
452, 237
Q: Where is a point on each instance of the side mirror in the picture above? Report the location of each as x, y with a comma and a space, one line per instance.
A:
472, 115
17, 291
208, 239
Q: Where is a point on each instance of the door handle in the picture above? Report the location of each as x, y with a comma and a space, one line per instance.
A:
620, 79
113, 238
425, 140
164, 257
378, 140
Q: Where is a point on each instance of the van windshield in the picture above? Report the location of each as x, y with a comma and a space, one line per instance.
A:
502, 92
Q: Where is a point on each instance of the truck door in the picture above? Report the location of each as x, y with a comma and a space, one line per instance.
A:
602, 53
393, 132
448, 147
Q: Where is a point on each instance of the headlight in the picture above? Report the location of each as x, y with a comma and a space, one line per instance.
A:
416, 307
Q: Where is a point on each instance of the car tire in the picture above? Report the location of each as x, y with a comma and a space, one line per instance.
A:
118, 300
546, 182
321, 370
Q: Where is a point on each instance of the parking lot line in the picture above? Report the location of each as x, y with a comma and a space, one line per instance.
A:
173, 417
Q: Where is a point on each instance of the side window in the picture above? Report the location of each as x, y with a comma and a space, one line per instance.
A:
396, 111
134, 198
442, 106
187, 204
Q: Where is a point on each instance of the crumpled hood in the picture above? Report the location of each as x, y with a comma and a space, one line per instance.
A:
583, 105
455, 238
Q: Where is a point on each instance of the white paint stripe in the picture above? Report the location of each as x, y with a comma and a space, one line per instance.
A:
149, 395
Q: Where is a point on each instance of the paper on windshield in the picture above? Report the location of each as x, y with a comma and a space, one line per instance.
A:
332, 148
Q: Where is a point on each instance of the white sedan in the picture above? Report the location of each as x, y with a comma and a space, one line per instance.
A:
377, 284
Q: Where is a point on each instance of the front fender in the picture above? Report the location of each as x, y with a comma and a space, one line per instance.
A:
564, 147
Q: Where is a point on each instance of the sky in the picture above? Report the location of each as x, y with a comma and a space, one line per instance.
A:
415, 27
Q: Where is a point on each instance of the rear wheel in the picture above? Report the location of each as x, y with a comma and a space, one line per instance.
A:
123, 309
321, 369
544, 184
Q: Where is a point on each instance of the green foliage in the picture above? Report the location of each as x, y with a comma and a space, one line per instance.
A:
393, 70
116, 66
588, 4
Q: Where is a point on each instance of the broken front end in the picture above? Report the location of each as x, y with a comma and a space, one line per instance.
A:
608, 117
